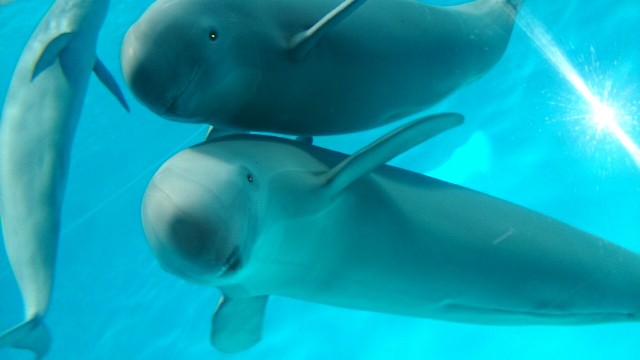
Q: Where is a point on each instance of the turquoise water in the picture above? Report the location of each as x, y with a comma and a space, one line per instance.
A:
527, 139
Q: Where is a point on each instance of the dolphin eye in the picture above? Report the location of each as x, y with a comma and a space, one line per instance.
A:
213, 36
250, 178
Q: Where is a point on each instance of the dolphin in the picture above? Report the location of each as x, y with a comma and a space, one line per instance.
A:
308, 67
255, 215
39, 118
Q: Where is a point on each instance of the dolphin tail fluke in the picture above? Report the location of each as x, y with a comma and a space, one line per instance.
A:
32, 335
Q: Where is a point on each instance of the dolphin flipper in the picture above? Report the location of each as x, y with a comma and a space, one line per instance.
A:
50, 53
107, 79
237, 323
30, 335
301, 43
386, 148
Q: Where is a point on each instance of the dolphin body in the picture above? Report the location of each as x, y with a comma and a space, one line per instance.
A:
39, 118
256, 216
308, 67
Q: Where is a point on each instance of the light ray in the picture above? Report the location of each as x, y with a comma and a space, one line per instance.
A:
603, 114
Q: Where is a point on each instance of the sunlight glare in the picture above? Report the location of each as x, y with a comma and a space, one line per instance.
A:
603, 114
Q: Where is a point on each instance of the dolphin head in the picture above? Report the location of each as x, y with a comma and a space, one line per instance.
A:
200, 216
192, 60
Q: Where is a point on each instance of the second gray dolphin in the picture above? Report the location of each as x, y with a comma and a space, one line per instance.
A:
309, 67
39, 119
256, 216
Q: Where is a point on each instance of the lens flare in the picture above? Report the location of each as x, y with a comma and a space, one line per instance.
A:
604, 115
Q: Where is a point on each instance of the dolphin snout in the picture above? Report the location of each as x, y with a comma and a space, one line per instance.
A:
155, 71
141, 73
138, 70
187, 233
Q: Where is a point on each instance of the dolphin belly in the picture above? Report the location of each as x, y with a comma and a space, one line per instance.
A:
410, 245
387, 61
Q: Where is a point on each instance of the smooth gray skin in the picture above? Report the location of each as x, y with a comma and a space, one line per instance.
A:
376, 62
39, 118
320, 226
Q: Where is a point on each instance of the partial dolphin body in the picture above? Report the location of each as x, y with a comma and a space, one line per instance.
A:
309, 67
258, 216
39, 118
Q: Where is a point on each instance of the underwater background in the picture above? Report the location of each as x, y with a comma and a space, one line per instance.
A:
529, 137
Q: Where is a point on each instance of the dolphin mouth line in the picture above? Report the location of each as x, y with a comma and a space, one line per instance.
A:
232, 263
171, 107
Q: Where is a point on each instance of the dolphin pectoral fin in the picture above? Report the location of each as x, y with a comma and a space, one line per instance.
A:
237, 323
30, 335
301, 43
386, 148
107, 79
50, 53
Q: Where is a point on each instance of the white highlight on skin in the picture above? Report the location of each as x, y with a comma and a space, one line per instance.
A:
603, 114
504, 236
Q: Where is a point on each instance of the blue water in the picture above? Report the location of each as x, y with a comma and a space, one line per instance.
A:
526, 139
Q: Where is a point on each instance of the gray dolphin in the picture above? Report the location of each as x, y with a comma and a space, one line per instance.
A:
256, 216
39, 118
308, 67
